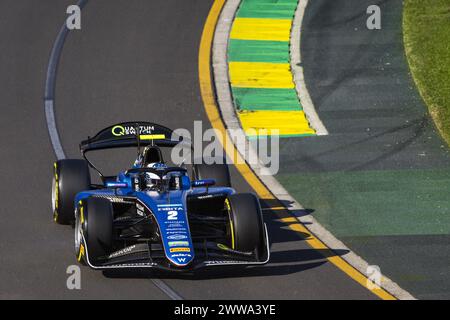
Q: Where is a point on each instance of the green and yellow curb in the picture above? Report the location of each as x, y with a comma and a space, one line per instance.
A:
262, 82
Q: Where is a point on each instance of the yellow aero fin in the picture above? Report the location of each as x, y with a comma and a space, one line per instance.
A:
81, 253
152, 136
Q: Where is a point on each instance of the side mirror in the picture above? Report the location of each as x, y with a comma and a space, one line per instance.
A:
203, 183
179, 183
185, 183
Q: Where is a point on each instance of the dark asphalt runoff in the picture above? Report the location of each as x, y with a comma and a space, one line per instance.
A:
379, 181
131, 60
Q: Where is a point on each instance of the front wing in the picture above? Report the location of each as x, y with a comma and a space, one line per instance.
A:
139, 256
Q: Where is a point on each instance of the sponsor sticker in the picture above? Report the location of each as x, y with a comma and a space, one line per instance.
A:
180, 250
175, 225
176, 237
176, 255
176, 231
178, 243
169, 207
122, 252
119, 131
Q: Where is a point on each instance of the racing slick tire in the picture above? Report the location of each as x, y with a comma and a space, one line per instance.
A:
93, 230
71, 176
246, 223
218, 172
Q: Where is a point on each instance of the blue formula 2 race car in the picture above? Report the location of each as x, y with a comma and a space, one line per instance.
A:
153, 215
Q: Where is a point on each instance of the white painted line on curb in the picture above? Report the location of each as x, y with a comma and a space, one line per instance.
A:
297, 70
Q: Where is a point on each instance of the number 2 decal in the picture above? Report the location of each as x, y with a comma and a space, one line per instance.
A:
172, 215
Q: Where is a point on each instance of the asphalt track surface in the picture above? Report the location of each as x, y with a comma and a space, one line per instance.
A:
382, 174
131, 60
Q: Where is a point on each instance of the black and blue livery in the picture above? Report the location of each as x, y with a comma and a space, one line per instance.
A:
154, 215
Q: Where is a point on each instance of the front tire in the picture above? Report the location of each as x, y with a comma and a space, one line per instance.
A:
71, 176
246, 223
93, 230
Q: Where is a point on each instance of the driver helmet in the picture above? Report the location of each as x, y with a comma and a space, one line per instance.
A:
151, 179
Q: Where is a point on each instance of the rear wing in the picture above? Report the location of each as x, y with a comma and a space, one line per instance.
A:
131, 134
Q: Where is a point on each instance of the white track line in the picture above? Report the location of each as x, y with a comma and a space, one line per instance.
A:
164, 287
49, 103
52, 130
50, 92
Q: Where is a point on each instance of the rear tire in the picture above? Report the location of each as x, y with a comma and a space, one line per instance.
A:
94, 220
246, 223
218, 172
71, 176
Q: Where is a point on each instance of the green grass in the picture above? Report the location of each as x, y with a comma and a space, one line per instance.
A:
426, 27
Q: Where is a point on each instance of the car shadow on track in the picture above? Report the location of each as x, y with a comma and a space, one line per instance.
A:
281, 222
281, 263
289, 255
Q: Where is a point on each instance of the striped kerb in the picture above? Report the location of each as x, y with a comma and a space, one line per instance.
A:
259, 65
